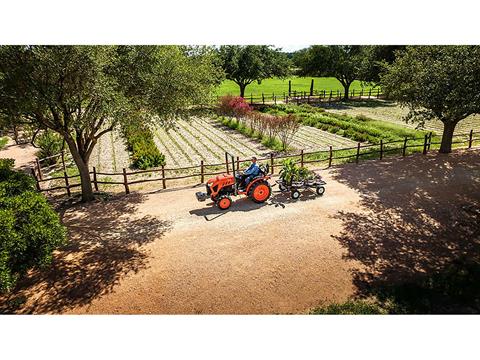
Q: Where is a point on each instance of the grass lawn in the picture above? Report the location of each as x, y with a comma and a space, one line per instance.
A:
278, 86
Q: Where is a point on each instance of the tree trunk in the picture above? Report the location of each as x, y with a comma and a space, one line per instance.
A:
242, 89
15, 134
346, 87
34, 136
447, 137
82, 165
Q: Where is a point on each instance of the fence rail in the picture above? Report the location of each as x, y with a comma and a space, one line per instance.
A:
316, 96
302, 158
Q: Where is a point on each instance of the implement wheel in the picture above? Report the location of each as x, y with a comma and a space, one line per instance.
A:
224, 202
320, 190
260, 192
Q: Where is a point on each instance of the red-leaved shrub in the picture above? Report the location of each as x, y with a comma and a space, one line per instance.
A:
236, 106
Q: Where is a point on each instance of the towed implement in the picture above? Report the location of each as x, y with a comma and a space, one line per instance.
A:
221, 188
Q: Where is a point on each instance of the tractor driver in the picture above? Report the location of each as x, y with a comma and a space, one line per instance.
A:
252, 171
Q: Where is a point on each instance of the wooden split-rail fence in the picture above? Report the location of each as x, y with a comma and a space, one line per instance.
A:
201, 171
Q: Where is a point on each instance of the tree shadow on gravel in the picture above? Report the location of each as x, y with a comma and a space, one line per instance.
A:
105, 244
418, 244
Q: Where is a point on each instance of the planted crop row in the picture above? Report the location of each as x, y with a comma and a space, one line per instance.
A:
143, 151
359, 128
202, 139
387, 111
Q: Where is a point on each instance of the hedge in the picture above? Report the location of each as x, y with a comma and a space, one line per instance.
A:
31, 229
144, 153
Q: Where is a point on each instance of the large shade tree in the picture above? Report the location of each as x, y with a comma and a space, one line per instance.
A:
341, 62
441, 82
373, 60
83, 92
246, 64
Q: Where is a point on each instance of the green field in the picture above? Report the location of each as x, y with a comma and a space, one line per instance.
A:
279, 86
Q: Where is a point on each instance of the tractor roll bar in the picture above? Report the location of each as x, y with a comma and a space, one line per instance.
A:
227, 155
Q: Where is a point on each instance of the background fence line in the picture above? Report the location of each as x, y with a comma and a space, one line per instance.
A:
303, 157
308, 97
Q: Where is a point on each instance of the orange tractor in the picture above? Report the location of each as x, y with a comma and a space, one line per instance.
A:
221, 188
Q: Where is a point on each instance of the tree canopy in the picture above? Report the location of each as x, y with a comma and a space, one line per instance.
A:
374, 59
440, 82
83, 92
341, 62
246, 64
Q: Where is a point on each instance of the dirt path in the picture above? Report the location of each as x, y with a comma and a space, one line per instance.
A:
24, 154
163, 252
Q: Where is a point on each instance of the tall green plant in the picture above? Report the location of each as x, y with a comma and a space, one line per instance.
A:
50, 143
292, 172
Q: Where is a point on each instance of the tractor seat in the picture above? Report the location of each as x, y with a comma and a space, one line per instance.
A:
263, 170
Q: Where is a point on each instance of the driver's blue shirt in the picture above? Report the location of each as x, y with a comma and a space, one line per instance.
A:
253, 169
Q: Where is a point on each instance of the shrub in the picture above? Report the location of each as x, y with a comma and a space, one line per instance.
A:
143, 150
233, 106
287, 128
31, 230
50, 143
3, 142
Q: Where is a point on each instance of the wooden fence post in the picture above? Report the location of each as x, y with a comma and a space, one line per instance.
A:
361, 93
301, 158
353, 93
36, 179
164, 182
67, 185
271, 162
275, 100
238, 163
95, 184
425, 145
263, 99
358, 153
201, 172
125, 181
381, 149
470, 139
369, 93
251, 98
311, 88
226, 162
39, 169
429, 140
289, 87
331, 157
404, 146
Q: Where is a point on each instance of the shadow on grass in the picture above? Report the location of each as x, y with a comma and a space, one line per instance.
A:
106, 240
418, 244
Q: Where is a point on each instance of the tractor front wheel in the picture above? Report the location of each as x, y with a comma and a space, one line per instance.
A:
260, 192
224, 202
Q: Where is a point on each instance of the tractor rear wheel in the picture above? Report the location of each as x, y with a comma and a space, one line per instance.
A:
224, 202
260, 192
